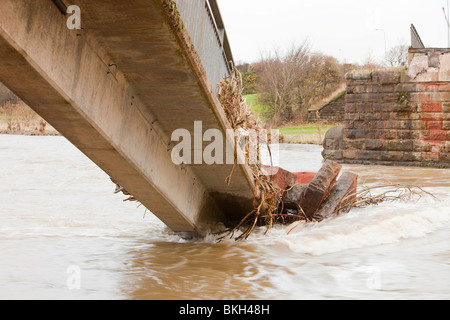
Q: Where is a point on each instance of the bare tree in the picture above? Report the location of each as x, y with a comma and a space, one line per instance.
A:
370, 62
280, 75
290, 83
320, 79
397, 56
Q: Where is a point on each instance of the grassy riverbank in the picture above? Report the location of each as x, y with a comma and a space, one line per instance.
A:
305, 134
308, 133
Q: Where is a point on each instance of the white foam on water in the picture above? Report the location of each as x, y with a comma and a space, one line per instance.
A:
364, 227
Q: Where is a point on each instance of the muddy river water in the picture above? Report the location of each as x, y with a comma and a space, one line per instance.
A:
65, 235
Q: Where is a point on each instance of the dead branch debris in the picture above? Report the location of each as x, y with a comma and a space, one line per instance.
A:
288, 202
322, 198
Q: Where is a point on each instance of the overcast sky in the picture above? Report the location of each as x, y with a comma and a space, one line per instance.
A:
345, 29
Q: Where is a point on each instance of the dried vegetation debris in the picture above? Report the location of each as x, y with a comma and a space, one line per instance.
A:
267, 196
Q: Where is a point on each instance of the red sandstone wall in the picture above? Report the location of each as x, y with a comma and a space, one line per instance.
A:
397, 117
389, 120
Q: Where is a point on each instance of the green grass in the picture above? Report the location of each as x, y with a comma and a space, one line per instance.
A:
258, 109
304, 130
307, 134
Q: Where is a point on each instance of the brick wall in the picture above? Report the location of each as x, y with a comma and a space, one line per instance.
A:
397, 117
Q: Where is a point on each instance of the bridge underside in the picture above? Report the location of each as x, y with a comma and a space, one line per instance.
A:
117, 89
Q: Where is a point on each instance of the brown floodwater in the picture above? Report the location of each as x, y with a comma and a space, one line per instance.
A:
65, 235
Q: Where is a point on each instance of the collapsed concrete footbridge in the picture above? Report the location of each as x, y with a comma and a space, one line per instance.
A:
118, 83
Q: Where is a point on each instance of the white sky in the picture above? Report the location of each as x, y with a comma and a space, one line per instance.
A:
345, 29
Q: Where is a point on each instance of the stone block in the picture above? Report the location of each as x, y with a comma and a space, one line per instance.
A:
408, 134
417, 125
434, 125
425, 97
371, 116
363, 134
447, 146
349, 154
293, 197
432, 87
418, 65
362, 88
350, 134
446, 107
374, 144
444, 72
412, 156
369, 155
443, 97
350, 107
422, 146
365, 107
351, 116
351, 98
355, 144
349, 124
438, 147
390, 98
332, 154
379, 107
341, 196
304, 177
407, 115
385, 134
446, 125
444, 157
392, 155
386, 115
408, 87
405, 125
330, 144
431, 156
359, 76
385, 78
431, 107
360, 124
390, 124
431, 117
377, 124
399, 145
386, 88
320, 187
438, 135
280, 177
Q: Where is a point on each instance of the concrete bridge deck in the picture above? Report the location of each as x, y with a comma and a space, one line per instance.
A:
120, 86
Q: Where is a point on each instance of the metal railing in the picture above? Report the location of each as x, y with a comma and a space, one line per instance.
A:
204, 25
